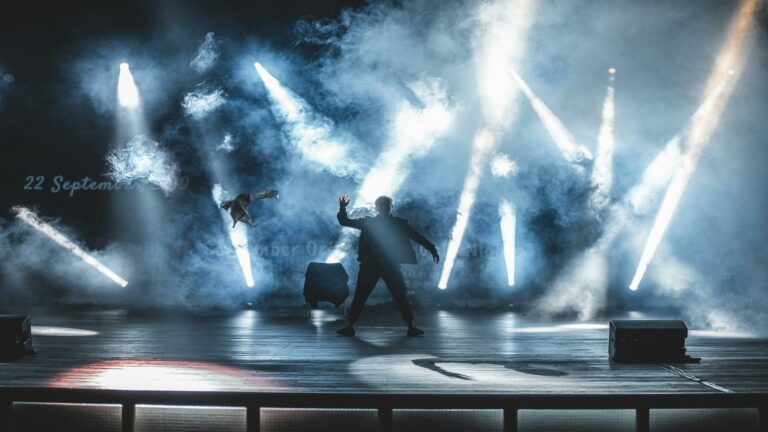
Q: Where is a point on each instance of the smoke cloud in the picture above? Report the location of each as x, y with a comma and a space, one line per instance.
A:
203, 101
206, 54
142, 159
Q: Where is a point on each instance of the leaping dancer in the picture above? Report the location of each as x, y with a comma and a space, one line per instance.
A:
238, 207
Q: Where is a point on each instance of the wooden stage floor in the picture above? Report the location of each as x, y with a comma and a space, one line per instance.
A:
462, 352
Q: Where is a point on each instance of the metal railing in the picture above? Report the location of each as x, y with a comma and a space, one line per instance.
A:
385, 403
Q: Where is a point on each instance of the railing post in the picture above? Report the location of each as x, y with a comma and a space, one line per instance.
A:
128, 417
6, 408
252, 418
385, 419
510, 419
642, 419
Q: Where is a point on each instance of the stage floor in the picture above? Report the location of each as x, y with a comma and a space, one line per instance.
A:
462, 351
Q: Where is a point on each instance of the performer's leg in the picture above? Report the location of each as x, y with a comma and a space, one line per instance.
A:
396, 284
367, 278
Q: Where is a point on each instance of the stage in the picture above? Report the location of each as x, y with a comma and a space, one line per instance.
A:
464, 354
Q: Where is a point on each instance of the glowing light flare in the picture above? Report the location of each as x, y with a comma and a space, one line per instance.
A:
572, 152
238, 236
310, 133
721, 82
34, 221
127, 92
508, 219
602, 168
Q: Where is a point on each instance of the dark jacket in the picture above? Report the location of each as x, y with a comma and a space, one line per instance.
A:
385, 239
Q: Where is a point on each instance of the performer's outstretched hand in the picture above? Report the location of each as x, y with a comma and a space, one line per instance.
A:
343, 201
436, 257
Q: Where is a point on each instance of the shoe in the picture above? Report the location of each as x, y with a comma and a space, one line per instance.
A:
414, 331
346, 331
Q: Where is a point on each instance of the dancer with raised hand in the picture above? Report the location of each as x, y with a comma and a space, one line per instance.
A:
384, 245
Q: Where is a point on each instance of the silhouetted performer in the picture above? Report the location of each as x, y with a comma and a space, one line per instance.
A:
384, 245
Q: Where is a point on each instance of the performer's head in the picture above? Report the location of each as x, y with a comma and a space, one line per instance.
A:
384, 205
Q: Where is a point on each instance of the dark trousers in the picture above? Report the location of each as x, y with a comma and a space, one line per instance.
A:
369, 275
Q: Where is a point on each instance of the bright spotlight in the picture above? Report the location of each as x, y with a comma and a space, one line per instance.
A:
611, 71
508, 221
238, 236
127, 93
311, 134
572, 152
31, 219
602, 168
729, 63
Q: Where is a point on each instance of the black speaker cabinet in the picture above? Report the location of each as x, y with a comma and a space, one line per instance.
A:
642, 341
15, 336
325, 282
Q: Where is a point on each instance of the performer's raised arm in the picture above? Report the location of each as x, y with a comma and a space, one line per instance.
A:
342, 214
420, 239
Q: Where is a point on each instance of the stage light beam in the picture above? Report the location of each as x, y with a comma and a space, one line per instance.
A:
308, 132
660, 171
573, 153
127, 92
602, 168
238, 236
482, 145
34, 221
507, 222
502, 45
583, 284
728, 66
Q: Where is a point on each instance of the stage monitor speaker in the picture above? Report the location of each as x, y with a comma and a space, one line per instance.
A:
15, 336
644, 341
325, 282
